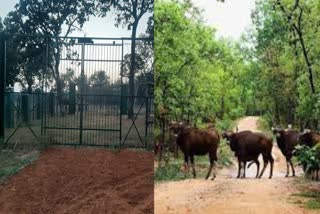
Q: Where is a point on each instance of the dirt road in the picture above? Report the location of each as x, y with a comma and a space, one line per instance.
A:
230, 195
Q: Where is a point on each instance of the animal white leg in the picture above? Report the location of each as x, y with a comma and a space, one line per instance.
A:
214, 171
287, 169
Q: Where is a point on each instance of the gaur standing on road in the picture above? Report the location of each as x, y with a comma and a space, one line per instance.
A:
195, 141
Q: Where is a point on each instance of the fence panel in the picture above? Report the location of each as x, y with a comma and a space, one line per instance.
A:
75, 91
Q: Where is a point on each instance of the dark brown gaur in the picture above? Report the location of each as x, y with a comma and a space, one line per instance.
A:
309, 139
287, 141
227, 135
248, 146
194, 141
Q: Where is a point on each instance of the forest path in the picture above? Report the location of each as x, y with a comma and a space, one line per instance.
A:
226, 194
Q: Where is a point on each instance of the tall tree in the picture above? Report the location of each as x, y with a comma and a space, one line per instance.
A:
54, 18
285, 52
295, 14
1, 25
129, 14
194, 70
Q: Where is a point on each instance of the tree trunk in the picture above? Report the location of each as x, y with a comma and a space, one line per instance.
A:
222, 108
291, 110
29, 89
132, 71
306, 57
58, 80
277, 113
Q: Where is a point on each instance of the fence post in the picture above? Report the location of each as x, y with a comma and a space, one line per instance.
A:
72, 98
81, 94
146, 122
38, 103
2, 84
51, 104
25, 107
124, 99
9, 110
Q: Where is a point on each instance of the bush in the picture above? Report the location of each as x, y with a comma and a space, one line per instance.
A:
223, 125
170, 172
224, 154
308, 158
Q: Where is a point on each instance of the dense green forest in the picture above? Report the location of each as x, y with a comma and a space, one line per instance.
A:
272, 71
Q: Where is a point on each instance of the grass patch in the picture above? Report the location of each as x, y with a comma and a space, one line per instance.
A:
309, 197
313, 204
12, 162
313, 199
171, 168
262, 125
170, 172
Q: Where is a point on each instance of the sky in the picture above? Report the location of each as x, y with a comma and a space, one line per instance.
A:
95, 27
230, 18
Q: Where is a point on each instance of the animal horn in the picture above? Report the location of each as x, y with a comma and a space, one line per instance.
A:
306, 131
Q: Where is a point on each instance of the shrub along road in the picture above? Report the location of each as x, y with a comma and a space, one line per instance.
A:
226, 194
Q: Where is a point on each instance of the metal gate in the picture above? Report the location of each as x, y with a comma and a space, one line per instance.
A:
74, 91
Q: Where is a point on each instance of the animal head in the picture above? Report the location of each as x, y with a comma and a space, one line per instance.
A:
278, 132
227, 135
157, 147
177, 127
309, 138
306, 131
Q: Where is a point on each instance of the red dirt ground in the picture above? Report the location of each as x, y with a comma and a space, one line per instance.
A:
82, 181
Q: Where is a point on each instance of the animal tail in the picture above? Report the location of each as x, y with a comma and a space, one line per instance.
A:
250, 164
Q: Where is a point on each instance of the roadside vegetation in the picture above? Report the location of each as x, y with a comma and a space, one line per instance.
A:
12, 162
309, 195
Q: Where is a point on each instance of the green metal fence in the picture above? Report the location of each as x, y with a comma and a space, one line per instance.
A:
74, 91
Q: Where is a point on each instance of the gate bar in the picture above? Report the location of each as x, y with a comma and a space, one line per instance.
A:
121, 95
2, 84
81, 94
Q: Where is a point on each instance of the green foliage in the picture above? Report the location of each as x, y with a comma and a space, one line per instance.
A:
282, 31
12, 162
224, 154
263, 125
170, 172
197, 76
222, 125
313, 204
309, 158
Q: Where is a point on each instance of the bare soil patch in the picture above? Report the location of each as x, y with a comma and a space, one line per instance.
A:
67, 180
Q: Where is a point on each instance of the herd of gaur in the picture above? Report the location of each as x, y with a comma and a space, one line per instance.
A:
246, 145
